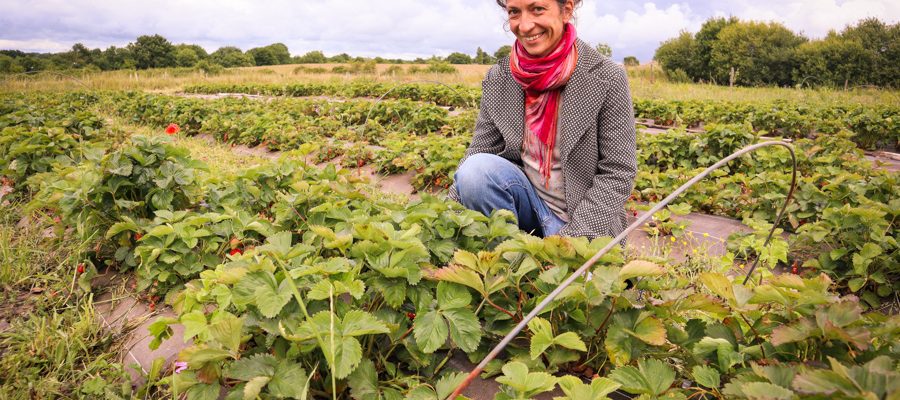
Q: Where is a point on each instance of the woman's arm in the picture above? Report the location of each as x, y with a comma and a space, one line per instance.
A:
486, 138
601, 212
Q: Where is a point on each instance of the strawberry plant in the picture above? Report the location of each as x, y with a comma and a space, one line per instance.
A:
133, 182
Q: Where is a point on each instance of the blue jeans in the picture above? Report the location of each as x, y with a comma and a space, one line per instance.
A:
487, 182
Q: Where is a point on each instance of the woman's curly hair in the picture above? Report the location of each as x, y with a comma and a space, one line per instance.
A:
502, 3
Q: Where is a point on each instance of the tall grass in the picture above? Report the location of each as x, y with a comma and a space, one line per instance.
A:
647, 81
51, 343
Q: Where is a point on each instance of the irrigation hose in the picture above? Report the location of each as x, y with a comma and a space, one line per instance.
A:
637, 223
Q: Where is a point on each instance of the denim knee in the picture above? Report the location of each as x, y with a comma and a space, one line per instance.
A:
477, 173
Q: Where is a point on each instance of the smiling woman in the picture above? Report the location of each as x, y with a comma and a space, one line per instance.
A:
554, 141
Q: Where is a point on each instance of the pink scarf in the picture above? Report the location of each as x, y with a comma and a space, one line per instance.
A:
542, 79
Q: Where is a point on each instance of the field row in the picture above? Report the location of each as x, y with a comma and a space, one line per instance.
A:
875, 127
829, 205
293, 283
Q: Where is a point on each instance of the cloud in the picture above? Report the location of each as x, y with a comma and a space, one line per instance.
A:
396, 28
815, 18
636, 32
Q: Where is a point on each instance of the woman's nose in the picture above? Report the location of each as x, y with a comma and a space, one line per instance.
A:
526, 23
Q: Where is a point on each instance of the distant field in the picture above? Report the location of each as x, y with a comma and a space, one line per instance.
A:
646, 82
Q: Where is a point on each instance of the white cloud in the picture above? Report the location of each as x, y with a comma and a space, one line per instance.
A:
34, 45
636, 32
395, 28
816, 17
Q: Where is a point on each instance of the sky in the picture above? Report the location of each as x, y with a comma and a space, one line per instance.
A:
393, 28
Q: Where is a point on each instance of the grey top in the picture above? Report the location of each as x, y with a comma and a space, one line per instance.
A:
554, 193
596, 142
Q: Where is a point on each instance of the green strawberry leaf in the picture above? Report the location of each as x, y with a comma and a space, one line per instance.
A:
430, 331
652, 377
526, 384
575, 389
706, 376
465, 329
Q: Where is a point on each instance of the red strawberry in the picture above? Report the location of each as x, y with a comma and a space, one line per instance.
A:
80, 268
137, 236
172, 129
235, 252
411, 315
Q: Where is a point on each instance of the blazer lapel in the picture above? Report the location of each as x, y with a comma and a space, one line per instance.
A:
511, 118
582, 98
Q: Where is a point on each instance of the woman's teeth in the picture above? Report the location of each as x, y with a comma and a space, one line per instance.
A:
533, 38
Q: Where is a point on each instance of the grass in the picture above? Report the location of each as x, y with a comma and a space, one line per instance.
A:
647, 81
220, 157
171, 80
51, 343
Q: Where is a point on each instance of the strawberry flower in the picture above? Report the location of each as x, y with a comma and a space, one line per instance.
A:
180, 366
172, 129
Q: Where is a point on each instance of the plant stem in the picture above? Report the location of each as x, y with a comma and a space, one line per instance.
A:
501, 309
612, 307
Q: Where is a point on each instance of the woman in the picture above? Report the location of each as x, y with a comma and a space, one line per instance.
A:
554, 141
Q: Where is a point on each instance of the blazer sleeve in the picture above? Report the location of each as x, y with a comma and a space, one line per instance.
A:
487, 137
601, 212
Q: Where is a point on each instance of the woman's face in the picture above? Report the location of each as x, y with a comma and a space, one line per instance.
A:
538, 24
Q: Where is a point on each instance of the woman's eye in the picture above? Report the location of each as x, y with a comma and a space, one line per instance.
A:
512, 12
539, 9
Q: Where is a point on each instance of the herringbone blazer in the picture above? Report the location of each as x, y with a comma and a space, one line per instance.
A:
596, 139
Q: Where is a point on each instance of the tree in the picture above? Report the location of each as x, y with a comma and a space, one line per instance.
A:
263, 56
340, 58
281, 52
459, 58
9, 65
312, 57
604, 49
152, 51
678, 54
702, 68
198, 50
186, 57
503, 51
230, 56
482, 57
631, 61
833, 61
114, 58
79, 57
758, 53
273, 54
32, 63
882, 43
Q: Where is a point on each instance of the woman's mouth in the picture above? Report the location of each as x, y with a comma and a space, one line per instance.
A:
534, 38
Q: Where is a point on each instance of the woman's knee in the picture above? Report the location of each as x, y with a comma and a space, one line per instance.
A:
478, 172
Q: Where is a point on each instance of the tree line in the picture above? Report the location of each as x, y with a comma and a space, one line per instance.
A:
748, 53
155, 51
